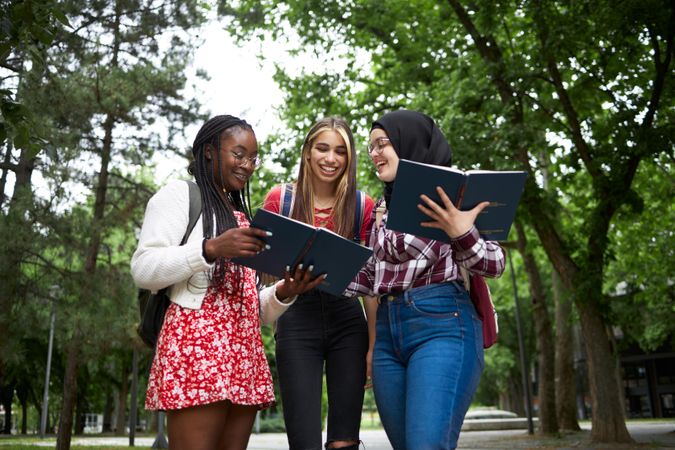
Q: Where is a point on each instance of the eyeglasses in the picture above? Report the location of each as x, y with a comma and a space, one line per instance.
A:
379, 145
246, 160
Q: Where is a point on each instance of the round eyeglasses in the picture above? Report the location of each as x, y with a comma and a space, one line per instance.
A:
378, 145
242, 160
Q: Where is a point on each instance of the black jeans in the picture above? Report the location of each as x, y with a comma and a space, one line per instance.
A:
320, 328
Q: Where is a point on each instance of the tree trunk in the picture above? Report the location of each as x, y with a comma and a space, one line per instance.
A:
107, 412
80, 408
5, 171
69, 395
513, 398
22, 396
608, 416
152, 422
565, 376
6, 397
122, 403
548, 422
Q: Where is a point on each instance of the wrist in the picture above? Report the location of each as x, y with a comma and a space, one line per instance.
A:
207, 250
280, 292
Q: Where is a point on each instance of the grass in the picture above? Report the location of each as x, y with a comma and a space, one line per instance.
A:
31, 443
74, 447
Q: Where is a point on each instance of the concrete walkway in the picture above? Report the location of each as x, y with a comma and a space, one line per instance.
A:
648, 435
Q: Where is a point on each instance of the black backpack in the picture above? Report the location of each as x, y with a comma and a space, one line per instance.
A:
153, 306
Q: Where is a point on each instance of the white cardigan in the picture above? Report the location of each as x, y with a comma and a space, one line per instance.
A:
160, 260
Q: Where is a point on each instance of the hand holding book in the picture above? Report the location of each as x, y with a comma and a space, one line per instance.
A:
466, 192
301, 281
454, 222
291, 243
235, 242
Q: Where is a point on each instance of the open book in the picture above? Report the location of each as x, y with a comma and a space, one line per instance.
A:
294, 242
466, 189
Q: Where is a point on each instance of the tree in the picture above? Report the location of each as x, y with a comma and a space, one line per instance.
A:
586, 84
99, 99
114, 84
548, 422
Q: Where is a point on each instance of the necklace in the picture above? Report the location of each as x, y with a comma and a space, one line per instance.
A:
323, 205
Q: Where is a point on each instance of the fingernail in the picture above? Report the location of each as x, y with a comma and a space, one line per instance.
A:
310, 268
267, 246
288, 268
300, 266
269, 233
325, 275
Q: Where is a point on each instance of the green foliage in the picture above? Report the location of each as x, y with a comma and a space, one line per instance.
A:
273, 425
579, 94
639, 281
105, 97
27, 29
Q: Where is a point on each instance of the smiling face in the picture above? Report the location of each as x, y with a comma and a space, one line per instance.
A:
383, 155
328, 157
237, 150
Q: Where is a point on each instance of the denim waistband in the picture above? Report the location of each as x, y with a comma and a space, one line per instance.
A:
421, 291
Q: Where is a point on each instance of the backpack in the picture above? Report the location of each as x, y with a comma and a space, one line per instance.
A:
153, 306
286, 203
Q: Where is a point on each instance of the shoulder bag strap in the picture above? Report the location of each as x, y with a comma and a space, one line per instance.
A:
195, 209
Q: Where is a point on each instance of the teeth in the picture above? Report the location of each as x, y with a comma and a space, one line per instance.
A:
328, 169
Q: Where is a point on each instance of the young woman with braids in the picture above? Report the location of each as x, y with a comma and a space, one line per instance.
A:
322, 329
210, 372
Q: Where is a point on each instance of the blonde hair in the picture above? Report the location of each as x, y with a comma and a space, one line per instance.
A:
345, 194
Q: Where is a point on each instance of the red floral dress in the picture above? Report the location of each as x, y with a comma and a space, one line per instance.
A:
214, 353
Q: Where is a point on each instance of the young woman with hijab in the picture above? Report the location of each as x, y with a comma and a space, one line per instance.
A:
320, 329
428, 353
209, 371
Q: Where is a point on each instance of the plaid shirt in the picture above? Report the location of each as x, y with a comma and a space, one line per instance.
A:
402, 261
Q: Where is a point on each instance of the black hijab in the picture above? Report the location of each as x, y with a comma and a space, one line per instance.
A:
415, 137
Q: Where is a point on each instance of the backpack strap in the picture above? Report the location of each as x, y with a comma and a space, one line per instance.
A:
195, 209
358, 215
286, 199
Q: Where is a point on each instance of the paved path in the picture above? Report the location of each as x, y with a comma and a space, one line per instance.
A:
648, 435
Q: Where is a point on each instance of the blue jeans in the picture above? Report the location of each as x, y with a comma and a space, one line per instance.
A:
427, 362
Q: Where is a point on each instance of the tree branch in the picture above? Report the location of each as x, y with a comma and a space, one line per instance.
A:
568, 108
662, 70
533, 197
9, 166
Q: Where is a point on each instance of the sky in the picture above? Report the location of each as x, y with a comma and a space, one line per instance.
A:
240, 84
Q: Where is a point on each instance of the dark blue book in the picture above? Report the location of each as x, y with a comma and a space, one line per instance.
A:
294, 242
466, 189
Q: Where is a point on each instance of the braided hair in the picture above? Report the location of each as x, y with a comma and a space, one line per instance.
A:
217, 206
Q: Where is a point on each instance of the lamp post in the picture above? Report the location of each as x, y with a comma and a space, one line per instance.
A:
160, 439
521, 348
45, 394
